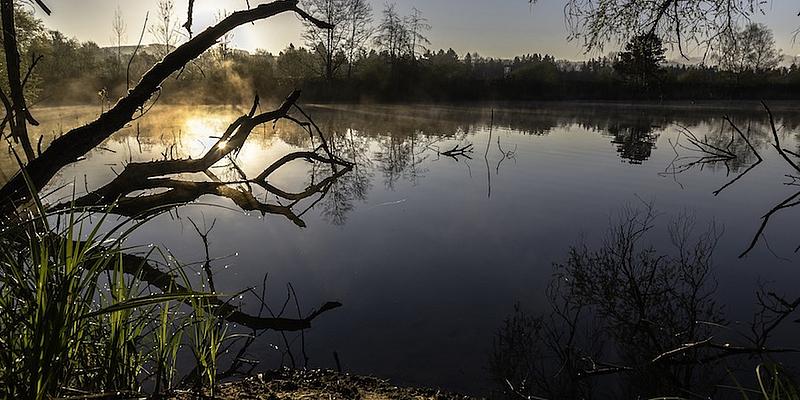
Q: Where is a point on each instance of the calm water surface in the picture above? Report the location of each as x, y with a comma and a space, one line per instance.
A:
429, 253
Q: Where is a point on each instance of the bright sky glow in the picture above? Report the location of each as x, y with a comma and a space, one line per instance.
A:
500, 28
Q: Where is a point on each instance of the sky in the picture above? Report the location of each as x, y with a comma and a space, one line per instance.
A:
500, 28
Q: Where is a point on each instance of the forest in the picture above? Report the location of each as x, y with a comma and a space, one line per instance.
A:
387, 58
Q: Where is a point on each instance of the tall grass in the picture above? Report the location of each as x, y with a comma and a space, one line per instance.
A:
74, 320
775, 383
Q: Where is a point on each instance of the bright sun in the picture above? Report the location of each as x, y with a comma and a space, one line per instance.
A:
202, 131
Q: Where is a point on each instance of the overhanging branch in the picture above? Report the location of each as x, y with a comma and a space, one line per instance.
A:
79, 141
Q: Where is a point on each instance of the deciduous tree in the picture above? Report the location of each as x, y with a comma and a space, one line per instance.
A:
417, 25
328, 44
392, 35
752, 49
676, 22
359, 31
165, 30
118, 27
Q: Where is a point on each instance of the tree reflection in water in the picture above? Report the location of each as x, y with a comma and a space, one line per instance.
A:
635, 142
144, 190
734, 152
625, 314
630, 320
351, 187
401, 157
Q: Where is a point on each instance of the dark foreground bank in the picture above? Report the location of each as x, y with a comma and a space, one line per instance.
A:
289, 384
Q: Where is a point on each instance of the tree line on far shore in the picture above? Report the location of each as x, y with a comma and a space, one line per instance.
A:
387, 57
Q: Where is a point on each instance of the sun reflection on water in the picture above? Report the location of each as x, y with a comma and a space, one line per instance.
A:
202, 131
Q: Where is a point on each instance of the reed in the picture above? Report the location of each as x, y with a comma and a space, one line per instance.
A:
73, 322
775, 383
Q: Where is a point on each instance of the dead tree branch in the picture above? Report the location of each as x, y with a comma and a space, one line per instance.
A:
207, 262
753, 149
455, 152
135, 50
44, 7
777, 143
163, 191
705, 147
74, 144
189, 17
166, 282
789, 202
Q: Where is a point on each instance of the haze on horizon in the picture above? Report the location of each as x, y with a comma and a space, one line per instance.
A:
493, 29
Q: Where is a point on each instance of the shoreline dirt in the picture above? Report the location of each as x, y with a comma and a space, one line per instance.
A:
288, 384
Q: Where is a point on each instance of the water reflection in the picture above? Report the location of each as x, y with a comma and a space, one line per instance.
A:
630, 321
398, 143
742, 149
400, 157
635, 142
404, 135
146, 189
341, 195
418, 252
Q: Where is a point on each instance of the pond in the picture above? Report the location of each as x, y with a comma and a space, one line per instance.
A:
430, 253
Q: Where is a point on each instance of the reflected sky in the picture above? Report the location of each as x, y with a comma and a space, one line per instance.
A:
429, 253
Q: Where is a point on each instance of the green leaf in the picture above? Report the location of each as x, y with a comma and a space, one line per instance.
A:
148, 300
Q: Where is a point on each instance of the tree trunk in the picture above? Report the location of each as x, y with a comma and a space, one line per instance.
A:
329, 57
20, 127
329, 66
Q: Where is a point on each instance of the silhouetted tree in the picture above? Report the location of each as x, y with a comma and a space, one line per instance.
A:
359, 32
642, 59
752, 48
165, 30
416, 25
223, 48
328, 44
646, 316
118, 28
676, 22
295, 63
392, 36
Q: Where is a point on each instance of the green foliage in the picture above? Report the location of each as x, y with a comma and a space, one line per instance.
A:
541, 73
30, 31
296, 64
206, 333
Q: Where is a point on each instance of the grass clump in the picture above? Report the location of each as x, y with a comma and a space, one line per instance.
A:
76, 320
